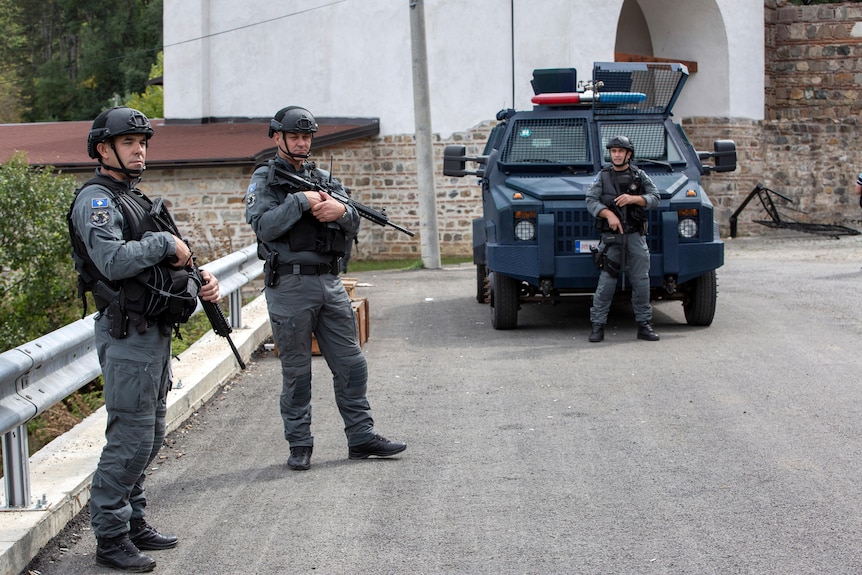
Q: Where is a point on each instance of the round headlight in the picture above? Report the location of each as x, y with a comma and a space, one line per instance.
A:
525, 230
687, 228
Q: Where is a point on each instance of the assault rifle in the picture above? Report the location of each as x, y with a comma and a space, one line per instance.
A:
278, 176
214, 313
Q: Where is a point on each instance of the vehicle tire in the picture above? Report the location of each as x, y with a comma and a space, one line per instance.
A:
482, 285
699, 304
504, 301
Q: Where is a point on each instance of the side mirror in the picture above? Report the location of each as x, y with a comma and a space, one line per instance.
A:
454, 161
724, 153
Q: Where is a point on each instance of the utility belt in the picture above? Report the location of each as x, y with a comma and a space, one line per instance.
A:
309, 269
158, 296
274, 269
110, 304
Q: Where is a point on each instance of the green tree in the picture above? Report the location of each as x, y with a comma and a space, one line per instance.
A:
37, 277
70, 58
12, 45
152, 101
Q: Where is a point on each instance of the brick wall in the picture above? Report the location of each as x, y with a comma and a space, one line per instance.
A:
805, 149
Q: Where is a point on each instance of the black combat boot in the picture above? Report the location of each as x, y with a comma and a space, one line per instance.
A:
145, 536
379, 447
646, 332
300, 458
598, 333
120, 553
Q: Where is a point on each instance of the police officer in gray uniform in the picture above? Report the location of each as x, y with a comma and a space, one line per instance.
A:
302, 235
618, 198
118, 252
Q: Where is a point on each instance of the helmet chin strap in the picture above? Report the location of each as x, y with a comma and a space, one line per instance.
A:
130, 174
624, 162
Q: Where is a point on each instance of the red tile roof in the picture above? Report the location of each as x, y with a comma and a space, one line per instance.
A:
64, 144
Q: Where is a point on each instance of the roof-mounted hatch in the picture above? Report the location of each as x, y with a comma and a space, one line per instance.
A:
617, 88
661, 84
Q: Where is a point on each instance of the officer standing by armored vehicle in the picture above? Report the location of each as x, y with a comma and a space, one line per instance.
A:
618, 199
302, 235
533, 242
143, 287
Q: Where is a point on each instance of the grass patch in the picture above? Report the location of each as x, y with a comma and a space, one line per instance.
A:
358, 266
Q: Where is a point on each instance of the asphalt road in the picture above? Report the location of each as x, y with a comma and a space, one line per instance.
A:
735, 448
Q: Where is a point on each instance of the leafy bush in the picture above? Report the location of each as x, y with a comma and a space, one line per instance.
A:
38, 291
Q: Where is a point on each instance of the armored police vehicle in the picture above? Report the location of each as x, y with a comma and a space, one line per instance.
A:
534, 239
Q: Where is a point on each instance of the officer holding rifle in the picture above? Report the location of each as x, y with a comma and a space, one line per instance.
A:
618, 198
302, 234
144, 287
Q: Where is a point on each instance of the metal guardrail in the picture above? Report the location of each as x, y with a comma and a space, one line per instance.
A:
38, 374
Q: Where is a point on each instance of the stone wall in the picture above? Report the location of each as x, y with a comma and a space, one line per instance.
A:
727, 190
810, 135
813, 64
208, 207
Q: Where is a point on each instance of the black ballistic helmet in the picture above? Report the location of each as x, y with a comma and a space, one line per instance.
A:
621, 142
116, 122
292, 119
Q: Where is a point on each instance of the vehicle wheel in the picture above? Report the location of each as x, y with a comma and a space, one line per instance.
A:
482, 285
699, 304
504, 301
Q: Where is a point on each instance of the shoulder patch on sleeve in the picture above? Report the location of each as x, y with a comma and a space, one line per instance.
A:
96, 203
100, 217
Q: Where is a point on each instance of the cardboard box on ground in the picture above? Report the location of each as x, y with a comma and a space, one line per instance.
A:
360, 312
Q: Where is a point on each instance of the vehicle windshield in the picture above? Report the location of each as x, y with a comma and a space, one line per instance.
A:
547, 141
565, 141
650, 140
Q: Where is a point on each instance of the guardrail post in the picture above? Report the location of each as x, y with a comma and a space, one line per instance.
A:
235, 309
16, 468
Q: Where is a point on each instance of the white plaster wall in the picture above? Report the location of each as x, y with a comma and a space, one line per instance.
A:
184, 60
353, 57
696, 32
747, 57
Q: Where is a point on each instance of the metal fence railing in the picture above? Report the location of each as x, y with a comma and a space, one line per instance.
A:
38, 374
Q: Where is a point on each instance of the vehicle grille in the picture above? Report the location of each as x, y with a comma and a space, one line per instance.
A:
577, 224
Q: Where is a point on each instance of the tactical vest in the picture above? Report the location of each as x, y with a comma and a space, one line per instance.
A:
159, 294
614, 184
311, 235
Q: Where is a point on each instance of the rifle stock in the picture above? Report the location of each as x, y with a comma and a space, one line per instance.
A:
278, 176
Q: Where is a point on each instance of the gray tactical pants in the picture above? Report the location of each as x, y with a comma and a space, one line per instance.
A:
136, 370
299, 306
636, 274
